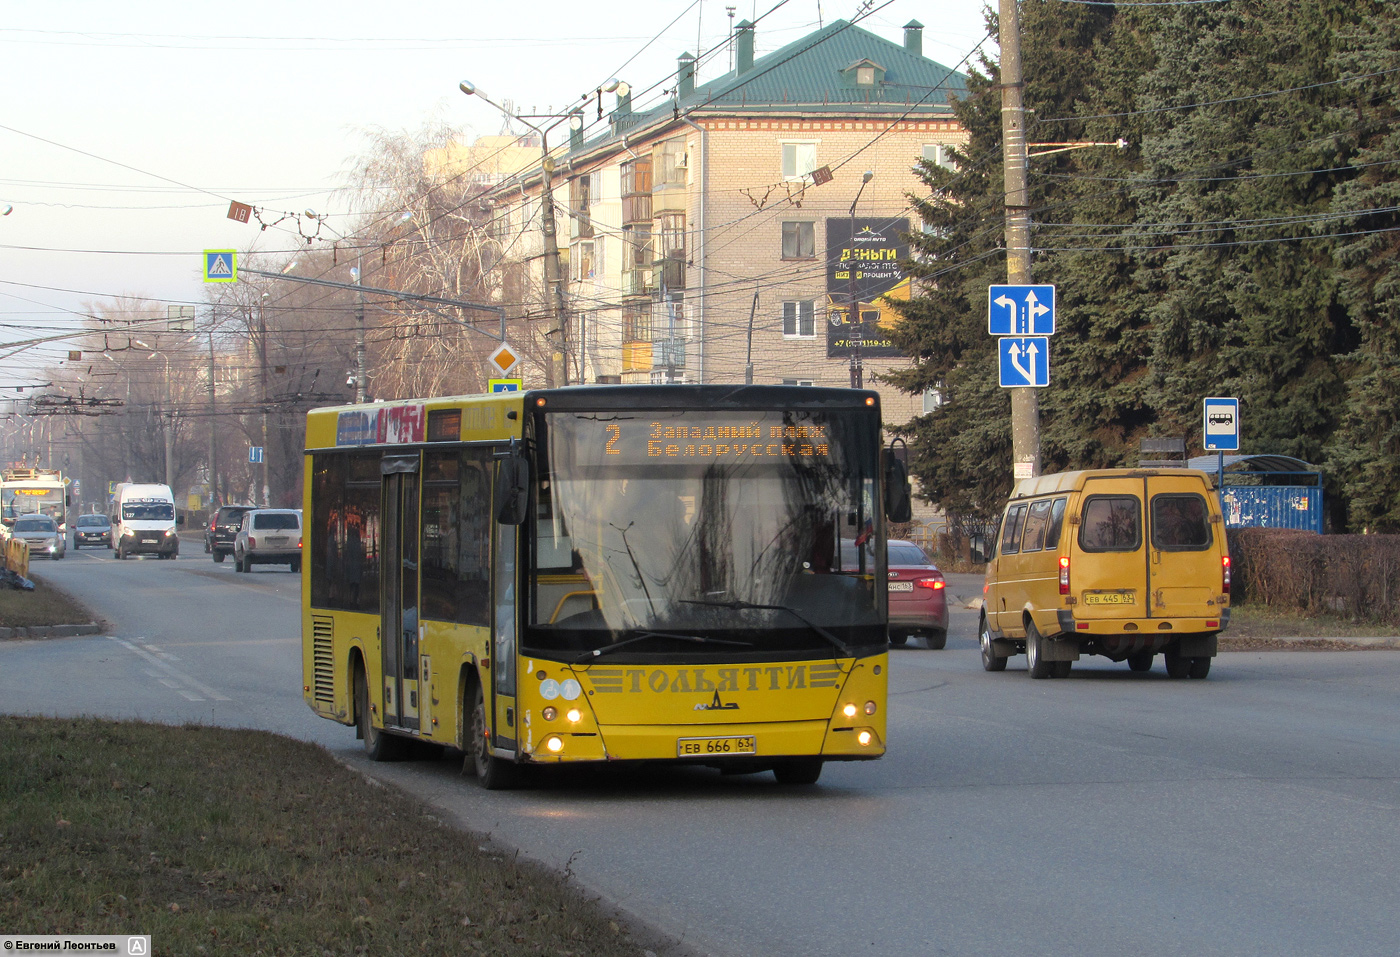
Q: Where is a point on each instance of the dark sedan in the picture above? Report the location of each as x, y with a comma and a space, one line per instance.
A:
92, 530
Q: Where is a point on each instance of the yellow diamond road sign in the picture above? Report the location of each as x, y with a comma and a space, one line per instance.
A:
504, 359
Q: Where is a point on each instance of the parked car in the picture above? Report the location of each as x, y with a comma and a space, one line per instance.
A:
42, 534
223, 529
92, 530
268, 536
918, 596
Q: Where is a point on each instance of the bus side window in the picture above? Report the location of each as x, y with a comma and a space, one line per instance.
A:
1034, 538
1011, 533
1057, 521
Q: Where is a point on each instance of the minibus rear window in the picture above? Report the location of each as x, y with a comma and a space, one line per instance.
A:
1111, 523
1180, 523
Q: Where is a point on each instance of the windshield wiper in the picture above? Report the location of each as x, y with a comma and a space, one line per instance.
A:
641, 636
840, 645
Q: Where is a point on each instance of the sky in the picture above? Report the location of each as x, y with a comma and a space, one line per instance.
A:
127, 128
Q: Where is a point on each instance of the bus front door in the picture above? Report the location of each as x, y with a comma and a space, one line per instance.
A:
399, 609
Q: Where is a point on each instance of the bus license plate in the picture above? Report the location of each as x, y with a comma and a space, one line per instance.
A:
901, 586
699, 747
1109, 597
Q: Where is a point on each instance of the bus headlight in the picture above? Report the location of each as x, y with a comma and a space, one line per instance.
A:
574, 715
554, 744
870, 707
849, 710
549, 714
864, 738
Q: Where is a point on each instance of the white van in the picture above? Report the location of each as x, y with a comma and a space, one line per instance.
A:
143, 520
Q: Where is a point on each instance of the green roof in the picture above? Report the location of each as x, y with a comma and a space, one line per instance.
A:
807, 74
810, 75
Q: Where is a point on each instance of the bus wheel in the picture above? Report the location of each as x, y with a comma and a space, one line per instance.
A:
990, 661
798, 771
1036, 666
1200, 667
1140, 662
378, 745
495, 774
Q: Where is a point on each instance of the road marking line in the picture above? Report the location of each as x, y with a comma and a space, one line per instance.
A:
171, 671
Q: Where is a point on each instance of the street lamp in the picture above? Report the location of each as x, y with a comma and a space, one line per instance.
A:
558, 370
857, 333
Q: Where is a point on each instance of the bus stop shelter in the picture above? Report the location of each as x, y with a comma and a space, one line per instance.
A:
1266, 491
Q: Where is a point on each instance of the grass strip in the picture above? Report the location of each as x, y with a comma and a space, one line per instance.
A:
221, 841
1260, 621
45, 605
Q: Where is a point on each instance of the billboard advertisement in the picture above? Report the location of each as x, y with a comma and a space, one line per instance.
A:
865, 269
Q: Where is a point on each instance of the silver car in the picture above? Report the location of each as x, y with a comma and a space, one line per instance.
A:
268, 536
42, 534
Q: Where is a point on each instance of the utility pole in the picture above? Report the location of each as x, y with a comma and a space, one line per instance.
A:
213, 426
557, 334
262, 379
1025, 405
361, 387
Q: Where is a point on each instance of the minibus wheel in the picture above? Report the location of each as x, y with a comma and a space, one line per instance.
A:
1036, 666
1177, 666
990, 661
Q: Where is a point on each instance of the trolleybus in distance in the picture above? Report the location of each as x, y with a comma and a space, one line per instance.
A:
602, 574
34, 491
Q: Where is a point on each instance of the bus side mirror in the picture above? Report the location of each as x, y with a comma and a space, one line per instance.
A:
899, 506
512, 489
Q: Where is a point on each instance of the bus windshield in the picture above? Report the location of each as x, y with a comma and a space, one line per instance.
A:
148, 512
701, 532
17, 502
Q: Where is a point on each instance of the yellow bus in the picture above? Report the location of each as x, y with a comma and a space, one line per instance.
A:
603, 574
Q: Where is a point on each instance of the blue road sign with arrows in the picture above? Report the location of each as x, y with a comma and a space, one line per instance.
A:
1021, 310
1025, 361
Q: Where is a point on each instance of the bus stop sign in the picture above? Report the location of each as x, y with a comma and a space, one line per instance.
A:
1222, 425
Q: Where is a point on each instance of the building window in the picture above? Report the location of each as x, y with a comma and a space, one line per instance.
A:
939, 155
799, 159
799, 319
865, 76
799, 240
799, 382
636, 191
636, 322
933, 397
671, 162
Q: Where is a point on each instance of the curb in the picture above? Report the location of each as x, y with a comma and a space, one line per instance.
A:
50, 631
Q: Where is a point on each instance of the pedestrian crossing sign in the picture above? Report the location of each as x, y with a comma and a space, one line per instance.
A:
220, 265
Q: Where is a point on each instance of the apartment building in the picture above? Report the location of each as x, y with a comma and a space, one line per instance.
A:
711, 238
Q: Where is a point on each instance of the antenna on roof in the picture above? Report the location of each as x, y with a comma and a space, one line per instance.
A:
730, 11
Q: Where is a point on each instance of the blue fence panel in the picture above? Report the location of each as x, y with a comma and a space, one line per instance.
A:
1272, 506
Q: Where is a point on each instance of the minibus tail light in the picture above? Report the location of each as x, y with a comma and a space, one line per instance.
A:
1225, 574
1064, 574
